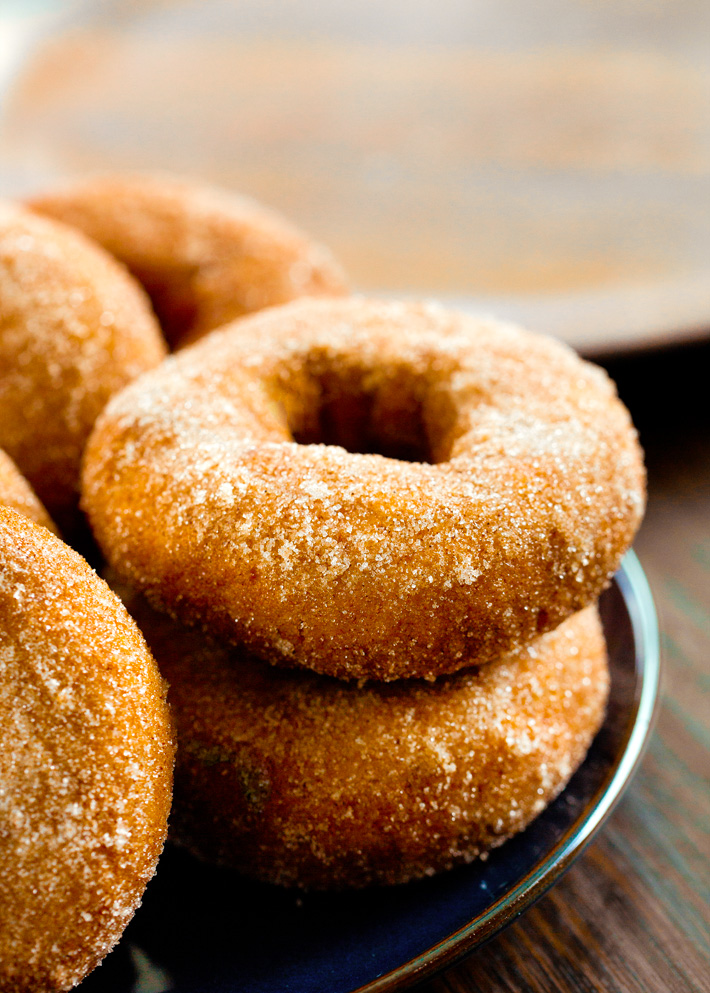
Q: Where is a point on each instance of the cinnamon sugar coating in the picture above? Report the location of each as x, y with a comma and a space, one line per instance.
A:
204, 255
86, 753
363, 565
16, 492
300, 779
74, 329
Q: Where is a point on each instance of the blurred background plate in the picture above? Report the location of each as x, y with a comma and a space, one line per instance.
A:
548, 162
203, 929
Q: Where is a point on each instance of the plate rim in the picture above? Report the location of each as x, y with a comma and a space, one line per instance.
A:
638, 599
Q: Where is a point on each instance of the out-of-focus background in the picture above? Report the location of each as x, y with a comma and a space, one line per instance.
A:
547, 161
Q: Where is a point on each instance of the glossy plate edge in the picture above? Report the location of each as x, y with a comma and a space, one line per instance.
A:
637, 597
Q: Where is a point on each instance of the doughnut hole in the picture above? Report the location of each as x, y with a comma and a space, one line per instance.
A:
392, 408
172, 296
391, 423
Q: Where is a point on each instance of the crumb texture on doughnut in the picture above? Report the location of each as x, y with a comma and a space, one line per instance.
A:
86, 756
205, 256
300, 779
74, 329
16, 492
528, 488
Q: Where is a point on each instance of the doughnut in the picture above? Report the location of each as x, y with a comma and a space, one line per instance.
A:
241, 486
16, 492
301, 779
86, 751
204, 255
74, 328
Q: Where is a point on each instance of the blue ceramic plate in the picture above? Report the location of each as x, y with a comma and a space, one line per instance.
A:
207, 930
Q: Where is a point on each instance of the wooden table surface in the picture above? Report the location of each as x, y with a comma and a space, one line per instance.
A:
525, 187
546, 162
633, 914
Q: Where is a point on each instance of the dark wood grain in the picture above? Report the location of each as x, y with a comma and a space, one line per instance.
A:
633, 914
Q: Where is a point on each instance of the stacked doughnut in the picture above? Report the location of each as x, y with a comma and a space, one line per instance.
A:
363, 540
410, 514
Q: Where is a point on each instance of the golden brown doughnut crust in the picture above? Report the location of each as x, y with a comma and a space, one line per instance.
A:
204, 255
359, 565
16, 492
300, 779
86, 756
74, 329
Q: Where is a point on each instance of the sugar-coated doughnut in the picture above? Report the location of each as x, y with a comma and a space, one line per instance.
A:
363, 565
74, 329
295, 778
16, 492
86, 754
204, 255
